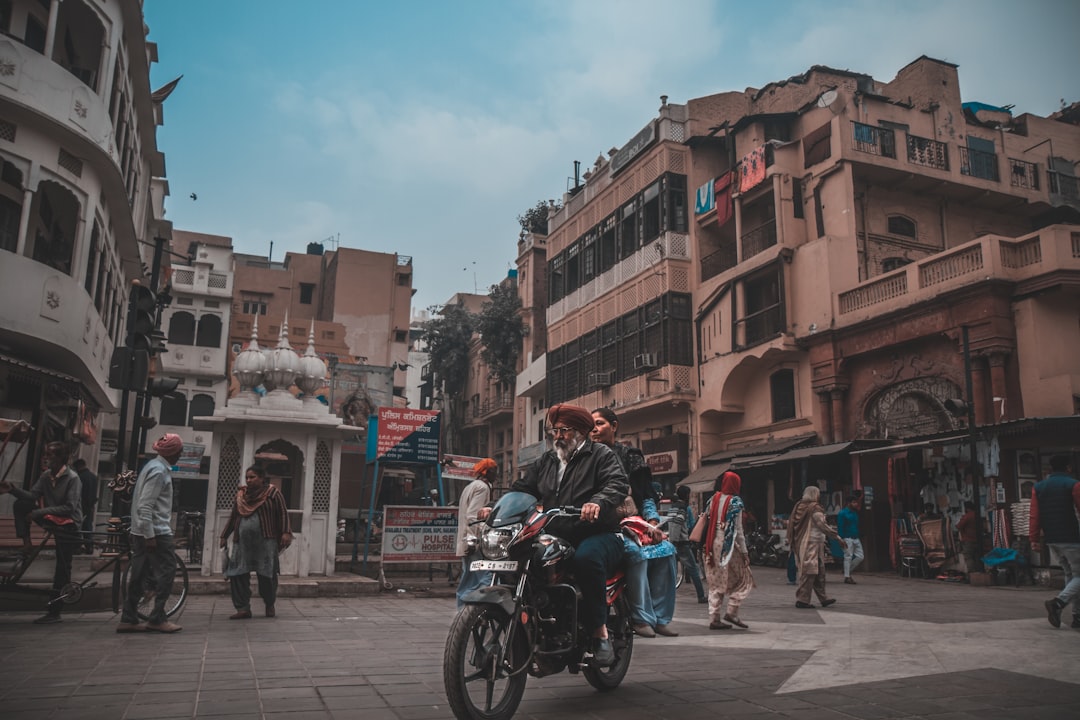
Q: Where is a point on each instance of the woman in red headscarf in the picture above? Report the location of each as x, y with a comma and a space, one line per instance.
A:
727, 563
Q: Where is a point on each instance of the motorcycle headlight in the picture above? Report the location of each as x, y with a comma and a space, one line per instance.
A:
496, 541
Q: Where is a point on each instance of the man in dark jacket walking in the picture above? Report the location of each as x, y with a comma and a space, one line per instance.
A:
1055, 501
588, 475
89, 499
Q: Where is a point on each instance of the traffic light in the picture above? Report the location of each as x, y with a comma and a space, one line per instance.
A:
161, 386
142, 327
128, 369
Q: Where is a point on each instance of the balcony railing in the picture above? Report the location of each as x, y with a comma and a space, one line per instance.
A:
878, 290
978, 163
760, 326
494, 406
758, 239
874, 140
1064, 185
717, 262
1023, 174
924, 151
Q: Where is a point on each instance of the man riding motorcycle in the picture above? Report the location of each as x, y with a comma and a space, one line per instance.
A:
581, 473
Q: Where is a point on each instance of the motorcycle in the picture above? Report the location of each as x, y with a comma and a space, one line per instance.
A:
765, 549
526, 622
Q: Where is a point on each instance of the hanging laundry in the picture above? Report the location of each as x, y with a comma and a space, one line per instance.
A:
722, 194
753, 169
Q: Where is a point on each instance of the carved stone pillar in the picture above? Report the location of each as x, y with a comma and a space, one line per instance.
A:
837, 395
825, 410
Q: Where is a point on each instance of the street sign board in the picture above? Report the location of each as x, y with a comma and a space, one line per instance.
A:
419, 534
406, 435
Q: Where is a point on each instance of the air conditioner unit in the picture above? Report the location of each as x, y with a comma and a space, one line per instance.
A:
645, 361
600, 379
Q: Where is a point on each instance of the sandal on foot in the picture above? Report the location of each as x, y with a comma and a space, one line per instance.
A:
717, 625
734, 620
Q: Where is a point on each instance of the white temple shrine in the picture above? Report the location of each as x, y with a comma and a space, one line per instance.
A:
297, 439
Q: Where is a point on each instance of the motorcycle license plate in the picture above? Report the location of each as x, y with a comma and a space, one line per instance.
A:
497, 565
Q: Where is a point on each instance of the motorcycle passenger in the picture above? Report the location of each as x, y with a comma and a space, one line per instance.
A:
584, 474
650, 568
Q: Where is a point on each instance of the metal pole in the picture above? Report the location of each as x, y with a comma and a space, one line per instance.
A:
142, 401
371, 518
976, 470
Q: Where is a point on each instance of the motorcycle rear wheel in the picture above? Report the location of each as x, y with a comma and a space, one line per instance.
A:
621, 632
483, 674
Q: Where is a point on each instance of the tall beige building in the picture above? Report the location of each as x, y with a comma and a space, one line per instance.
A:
800, 313
82, 189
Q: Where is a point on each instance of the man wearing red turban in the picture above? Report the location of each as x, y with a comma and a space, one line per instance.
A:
585, 474
152, 546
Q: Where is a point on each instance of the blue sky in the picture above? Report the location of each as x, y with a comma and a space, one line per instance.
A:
425, 127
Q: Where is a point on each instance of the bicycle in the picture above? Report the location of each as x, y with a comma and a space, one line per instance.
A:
116, 554
193, 524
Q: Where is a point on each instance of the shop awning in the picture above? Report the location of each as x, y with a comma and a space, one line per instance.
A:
816, 451
769, 447
905, 446
702, 479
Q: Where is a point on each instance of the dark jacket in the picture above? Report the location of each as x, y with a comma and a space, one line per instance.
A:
89, 491
63, 499
593, 474
638, 474
1055, 501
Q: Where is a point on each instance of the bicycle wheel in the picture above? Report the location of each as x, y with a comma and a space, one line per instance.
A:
173, 603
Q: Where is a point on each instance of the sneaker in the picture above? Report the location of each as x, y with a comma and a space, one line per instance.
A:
666, 631
849, 581
1053, 611
827, 603
603, 653
644, 630
48, 619
240, 615
270, 612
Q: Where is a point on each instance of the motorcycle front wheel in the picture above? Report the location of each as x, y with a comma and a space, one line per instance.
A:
621, 632
484, 664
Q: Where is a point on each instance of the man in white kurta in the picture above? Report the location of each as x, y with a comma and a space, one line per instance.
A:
476, 495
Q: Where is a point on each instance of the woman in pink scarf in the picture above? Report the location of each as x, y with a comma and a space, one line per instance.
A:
727, 564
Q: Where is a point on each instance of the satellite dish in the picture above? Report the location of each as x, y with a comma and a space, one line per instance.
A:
827, 98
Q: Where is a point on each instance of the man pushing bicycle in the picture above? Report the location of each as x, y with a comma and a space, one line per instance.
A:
55, 503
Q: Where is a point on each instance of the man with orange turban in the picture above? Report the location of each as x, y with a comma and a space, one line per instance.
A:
152, 546
475, 496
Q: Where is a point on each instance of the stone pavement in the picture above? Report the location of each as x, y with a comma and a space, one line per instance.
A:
890, 648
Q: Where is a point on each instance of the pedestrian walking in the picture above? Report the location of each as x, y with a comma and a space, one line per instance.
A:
475, 496
1055, 502
808, 531
847, 526
726, 560
153, 557
259, 526
968, 538
680, 524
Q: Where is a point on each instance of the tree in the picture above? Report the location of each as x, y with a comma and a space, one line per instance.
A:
447, 337
535, 219
502, 332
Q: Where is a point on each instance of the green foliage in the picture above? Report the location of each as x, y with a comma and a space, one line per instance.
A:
501, 332
534, 220
447, 337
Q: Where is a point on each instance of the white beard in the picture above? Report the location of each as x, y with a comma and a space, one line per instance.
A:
569, 446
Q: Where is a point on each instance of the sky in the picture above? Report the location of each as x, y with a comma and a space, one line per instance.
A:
426, 127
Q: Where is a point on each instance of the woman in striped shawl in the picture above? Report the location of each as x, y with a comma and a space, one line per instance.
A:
259, 525
727, 563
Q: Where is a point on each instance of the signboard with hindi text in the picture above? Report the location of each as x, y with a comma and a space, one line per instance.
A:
406, 435
419, 534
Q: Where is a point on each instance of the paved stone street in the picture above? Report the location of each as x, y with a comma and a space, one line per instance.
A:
890, 648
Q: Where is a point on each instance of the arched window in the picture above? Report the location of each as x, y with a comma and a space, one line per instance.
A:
201, 406
782, 389
182, 328
173, 409
900, 225
209, 331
